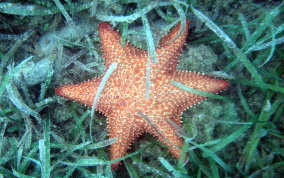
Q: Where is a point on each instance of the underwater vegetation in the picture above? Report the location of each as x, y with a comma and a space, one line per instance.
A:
45, 44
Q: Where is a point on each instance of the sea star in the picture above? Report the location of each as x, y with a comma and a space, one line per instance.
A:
129, 113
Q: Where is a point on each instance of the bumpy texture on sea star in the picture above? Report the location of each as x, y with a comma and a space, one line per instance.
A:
123, 97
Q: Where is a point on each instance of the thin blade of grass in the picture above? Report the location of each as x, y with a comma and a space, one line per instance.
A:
150, 168
70, 150
244, 25
18, 174
214, 168
94, 7
17, 100
92, 50
170, 168
63, 11
226, 141
261, 28
212, 142
273, 44
36, 10
148, 79
212, 155
19, 154
130, 169
15, 47
95, 161
25, 162
266, 86
244, 103
109, 71
211, 25
9, 76
149, 39
166, 164
199, 164
249, 66
152, 56
108, 171
44, 86
262, 171
132, 17
182, 19
251, 146
44, 151
5, 172
181, 160
102, 143
268, 44
262, 44
198, 92
78, 128
70, 171
8, 155
26, 10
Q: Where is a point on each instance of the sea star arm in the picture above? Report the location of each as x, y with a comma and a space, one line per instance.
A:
200, 82
113, 51
174, 100
83, 92
170, 47
166, 133
119, 127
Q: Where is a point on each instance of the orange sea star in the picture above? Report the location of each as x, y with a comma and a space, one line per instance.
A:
123, 96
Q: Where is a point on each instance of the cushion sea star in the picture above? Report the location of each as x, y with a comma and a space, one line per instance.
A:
129, 112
